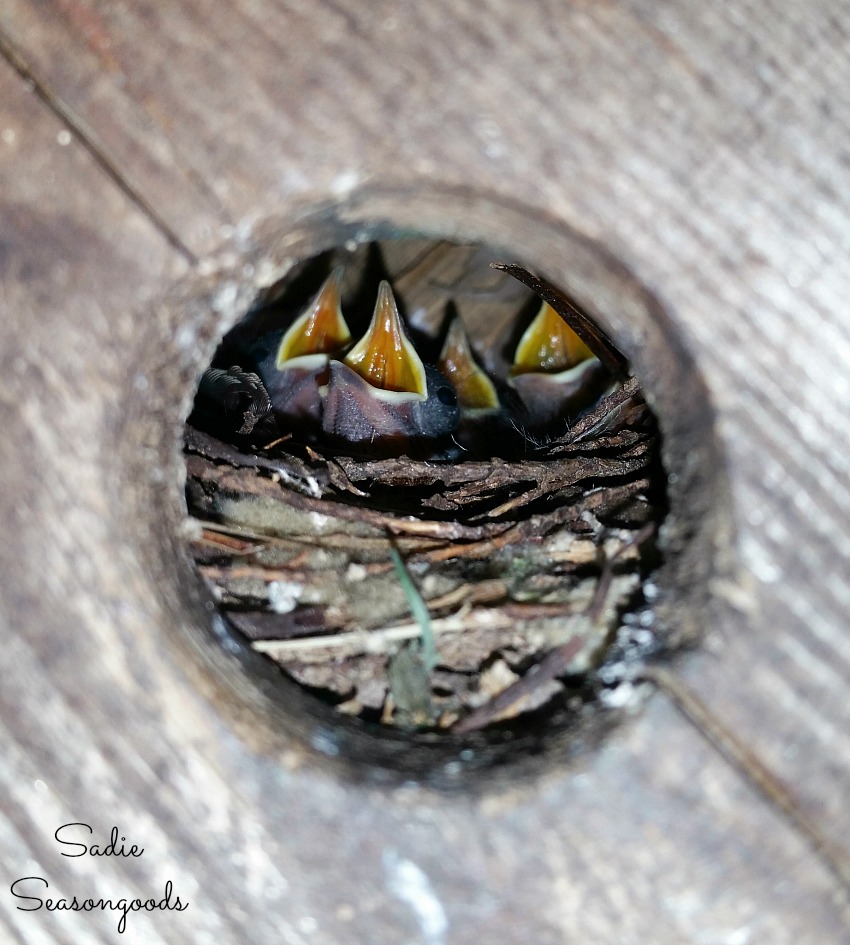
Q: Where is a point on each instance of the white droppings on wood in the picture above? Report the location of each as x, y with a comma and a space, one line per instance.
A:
344, 183
225, 299
759, 560
407, 882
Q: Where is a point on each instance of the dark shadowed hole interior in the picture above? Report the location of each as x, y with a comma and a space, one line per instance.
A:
487, 570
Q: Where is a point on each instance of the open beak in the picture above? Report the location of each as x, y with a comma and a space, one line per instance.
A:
385, 356
548, 345
321, 329
475, 391
294, 367
554, 372
382, 396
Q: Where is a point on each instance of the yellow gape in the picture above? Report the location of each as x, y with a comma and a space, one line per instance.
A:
549, 345
385, 356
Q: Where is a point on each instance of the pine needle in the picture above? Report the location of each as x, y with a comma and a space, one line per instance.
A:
418, 609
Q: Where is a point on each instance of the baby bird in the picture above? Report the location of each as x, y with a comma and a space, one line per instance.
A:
554, 372
233, 404
475, 391
294, 364
379, 395
488, 414
382, 393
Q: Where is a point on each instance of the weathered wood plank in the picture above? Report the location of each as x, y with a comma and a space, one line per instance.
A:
759, 236
76, 261
707, 152
657, 840
66, 49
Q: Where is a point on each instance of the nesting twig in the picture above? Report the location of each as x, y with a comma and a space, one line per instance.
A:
557, 660
579, 321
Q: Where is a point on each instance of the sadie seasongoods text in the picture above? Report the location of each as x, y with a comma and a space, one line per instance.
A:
27, 887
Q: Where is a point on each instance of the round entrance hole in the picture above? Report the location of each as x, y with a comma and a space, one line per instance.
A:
473, 562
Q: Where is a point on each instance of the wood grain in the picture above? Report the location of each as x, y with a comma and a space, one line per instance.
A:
705, 148
71, 46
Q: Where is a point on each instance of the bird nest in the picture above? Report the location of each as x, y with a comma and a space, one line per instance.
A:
438, 589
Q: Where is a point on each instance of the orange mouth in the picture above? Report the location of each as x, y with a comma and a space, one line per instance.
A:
321, 329
385, 356
548, 345
475, 391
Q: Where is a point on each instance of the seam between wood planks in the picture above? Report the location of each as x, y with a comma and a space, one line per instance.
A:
757, 774
88, 139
